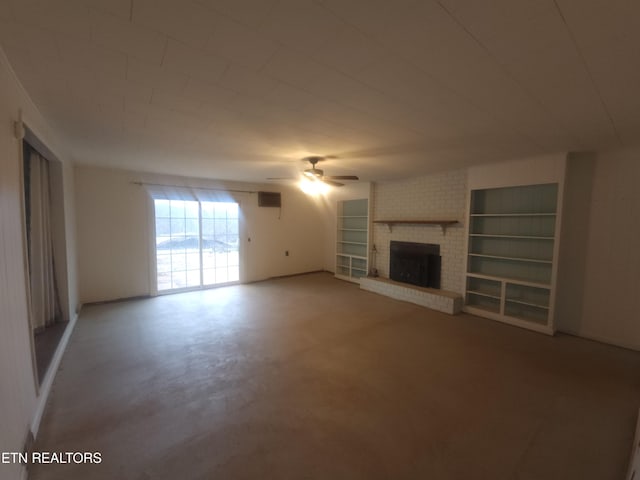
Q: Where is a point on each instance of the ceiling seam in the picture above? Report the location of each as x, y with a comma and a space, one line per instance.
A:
430, 75
244, 113
282, 45
226, 15
394, 119
341, 105
585, 65
506, 70
251, 116
126, 79
229, 63
164, 53
356, 109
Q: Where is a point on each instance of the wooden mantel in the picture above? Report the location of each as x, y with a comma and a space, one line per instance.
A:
442, 223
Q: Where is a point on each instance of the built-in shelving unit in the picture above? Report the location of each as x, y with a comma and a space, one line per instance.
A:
352, 239
443, 224
511, 254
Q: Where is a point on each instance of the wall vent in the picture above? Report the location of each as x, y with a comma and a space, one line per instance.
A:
269, 199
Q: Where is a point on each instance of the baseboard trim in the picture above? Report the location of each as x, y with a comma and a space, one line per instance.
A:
45, 386
289, 275
280, 277
601, 339
121, 299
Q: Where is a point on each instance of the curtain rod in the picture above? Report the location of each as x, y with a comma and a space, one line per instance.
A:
195, 188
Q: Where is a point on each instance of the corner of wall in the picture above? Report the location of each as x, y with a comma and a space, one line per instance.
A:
572, 258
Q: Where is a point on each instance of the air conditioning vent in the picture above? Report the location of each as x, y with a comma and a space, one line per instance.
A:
269, 199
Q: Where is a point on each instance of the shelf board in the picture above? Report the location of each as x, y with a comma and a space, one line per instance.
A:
535, 321
352, 229
515, 281
536, 325
529, 237
352, 216
482, 294
517, 259
502, 222
513, 214
528, 304
353, 243
483, 308
346, 277
443, 224
358, 257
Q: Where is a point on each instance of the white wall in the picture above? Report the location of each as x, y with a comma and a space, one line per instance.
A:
608, 299
114, 234
573, 256
18, 394
525, 171
434, 197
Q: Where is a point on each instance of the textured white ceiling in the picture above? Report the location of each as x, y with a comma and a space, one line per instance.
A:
242, 89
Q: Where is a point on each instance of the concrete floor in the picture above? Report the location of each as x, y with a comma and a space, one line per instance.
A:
310, 378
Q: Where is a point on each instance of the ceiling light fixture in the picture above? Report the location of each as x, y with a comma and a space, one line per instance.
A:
313, 186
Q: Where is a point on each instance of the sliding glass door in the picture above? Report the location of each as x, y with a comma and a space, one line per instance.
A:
197, 243
220, 243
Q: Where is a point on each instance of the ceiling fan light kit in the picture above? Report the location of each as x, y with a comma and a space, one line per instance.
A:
315, 182
314, 187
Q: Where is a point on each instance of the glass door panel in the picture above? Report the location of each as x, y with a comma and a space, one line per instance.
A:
197, 243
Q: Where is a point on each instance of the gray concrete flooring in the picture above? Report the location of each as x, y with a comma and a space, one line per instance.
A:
310, 378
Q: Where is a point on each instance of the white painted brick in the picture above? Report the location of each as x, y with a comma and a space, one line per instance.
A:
436, 300
440, 196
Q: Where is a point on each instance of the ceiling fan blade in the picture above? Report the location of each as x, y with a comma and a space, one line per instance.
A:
332, 183
341, 177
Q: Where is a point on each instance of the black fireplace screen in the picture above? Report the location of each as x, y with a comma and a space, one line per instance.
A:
415, 263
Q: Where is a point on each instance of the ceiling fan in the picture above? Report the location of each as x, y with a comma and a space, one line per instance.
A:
315, 174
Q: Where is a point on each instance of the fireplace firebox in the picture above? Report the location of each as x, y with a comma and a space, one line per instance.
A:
415, 263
